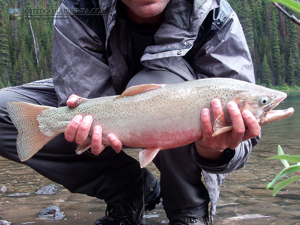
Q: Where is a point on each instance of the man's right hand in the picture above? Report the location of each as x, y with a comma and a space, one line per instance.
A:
79, 129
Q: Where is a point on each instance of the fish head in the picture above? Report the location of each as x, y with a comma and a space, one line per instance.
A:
261, 102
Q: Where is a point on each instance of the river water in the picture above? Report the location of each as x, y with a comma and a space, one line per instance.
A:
244, 199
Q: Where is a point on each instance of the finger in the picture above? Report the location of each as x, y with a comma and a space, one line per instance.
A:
97, 147
238, 126
207, 141
253, 128
206, 122
84, 129
207, 144
71, 130
115, 142
72, 101
216, 108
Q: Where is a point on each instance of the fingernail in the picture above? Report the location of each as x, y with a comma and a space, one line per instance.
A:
88, 118
216, 103
73, 99
97, 129
111, 137
246, 113
205, 111
231, 105
78, 118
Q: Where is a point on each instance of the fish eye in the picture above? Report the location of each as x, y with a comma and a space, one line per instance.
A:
264, 100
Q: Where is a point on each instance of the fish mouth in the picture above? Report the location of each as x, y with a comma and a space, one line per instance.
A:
271, 115
276, 115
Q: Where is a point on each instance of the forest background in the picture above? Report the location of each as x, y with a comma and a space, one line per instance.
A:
26, 42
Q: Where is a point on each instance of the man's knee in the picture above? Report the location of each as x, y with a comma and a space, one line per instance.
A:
12, 95
8, 132
148, 76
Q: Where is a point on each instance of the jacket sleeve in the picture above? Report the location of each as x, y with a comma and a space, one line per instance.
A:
226, 54
233, 158
79, 65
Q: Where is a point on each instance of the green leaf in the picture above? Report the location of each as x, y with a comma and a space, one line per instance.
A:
284, 162
284, 183
280, 150
289, 158
289, 3
284, 172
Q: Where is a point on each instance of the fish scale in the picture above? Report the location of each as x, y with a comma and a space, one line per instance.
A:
151, 116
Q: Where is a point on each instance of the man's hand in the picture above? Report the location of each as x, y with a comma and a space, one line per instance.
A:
244, 126
79, 129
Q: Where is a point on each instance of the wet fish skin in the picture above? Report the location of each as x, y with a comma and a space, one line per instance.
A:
153, 116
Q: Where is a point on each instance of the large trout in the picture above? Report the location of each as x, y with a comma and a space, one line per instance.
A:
152, 116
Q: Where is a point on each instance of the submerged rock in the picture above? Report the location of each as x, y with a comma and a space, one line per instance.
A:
51, 213
50, 189
245, 217
19, 194
4, 222
3, 189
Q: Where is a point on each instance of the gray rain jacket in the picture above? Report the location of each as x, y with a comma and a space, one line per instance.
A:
198, 39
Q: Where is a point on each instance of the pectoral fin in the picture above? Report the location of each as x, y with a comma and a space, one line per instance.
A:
147, 155
221, 125
222, 130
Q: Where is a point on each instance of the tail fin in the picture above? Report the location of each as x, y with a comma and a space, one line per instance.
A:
30, 138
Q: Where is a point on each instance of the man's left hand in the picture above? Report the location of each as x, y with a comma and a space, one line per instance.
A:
244, 127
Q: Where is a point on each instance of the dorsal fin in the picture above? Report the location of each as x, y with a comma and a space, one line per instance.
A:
138, 89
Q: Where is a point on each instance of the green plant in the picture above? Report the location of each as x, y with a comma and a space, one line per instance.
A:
294, 5
284, 158
287, 170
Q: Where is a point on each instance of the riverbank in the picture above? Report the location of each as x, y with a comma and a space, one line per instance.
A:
285, 88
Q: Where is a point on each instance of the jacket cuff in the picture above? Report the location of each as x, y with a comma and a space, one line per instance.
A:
213, 165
